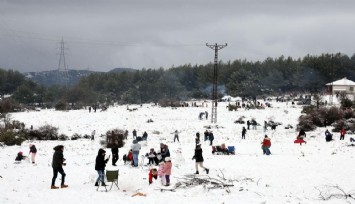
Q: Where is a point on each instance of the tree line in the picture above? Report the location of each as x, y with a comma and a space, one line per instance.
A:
272, 76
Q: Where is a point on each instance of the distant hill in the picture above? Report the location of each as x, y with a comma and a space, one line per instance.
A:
119, 70
55, 77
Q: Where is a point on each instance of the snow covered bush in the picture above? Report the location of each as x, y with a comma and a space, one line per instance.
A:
61, 106
306, 123
47, 132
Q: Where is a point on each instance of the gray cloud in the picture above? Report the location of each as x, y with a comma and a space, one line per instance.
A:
101, 35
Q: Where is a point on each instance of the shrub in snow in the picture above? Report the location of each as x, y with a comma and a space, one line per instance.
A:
63, 137
349, 113
61, 105
9, 137
115, 135
346, 103
48, 132
75, 136
306, 123
339, 124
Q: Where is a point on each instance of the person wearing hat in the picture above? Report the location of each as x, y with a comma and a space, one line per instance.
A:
100, 165
57, 165
20, 157
33, 152
199, 159
167, 170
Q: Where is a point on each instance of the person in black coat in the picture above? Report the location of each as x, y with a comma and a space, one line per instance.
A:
244, 131
100, 165
19, 157
199, 159
211, 138
206, 133
164, 151
114, 150
57, 165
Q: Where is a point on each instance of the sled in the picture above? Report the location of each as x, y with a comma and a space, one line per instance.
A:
299, 141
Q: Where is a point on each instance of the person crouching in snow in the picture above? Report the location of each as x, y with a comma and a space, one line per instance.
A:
19, 157
100, 165
167, 170
266, 144
153, 173
199, 159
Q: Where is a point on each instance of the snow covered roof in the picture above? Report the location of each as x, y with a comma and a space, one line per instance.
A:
342, 82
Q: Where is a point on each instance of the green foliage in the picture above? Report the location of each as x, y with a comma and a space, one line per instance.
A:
10, 137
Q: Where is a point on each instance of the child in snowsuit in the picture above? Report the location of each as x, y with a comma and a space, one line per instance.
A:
153, 173
266, 144
161, 173
342, 133
167, 170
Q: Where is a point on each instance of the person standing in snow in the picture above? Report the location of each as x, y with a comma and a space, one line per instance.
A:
114, 150
248, 124
93, 135
100, 165
136, 147
167, 170
161, 174
197, 139
164, 151
266, 144
57, 165
134, 134
342, 133
33, 152
244, 131
176, 136
211, 138
199, 159
206, 134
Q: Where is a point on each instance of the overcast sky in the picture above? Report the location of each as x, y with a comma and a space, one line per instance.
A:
104, 34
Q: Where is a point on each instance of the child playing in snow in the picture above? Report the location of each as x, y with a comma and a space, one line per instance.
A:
19, 157
161, 173
153, 173
167, 170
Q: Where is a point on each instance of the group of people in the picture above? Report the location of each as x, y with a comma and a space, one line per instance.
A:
33, 152
209, 136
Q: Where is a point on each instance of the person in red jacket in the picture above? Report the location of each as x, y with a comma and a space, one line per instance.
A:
342, 133
266, 144
153, 173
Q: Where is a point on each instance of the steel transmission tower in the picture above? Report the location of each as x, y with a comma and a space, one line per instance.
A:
215, 47
62, 66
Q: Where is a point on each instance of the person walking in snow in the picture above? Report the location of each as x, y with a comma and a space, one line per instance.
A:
33, 152
100, 165
197, 138
57, 165
167, 170
244, 131
266, 144
342, 133
136, 147
199, 159
248, 124
93, 135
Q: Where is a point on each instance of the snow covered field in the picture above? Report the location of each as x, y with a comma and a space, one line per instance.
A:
292, 174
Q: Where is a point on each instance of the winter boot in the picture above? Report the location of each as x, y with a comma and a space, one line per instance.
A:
207, 171
54, 187
64, 186
96, 184
103, 184
196, 172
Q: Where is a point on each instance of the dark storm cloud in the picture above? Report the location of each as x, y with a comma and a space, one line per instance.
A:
101, 35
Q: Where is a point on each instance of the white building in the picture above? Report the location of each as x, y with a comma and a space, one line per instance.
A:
342, 85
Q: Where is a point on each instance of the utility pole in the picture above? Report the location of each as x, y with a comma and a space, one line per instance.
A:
215, 47
62, 66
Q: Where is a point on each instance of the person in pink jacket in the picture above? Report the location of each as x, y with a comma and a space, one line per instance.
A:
167, 170
161, 174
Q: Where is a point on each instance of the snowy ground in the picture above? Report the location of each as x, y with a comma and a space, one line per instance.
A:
292, 174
